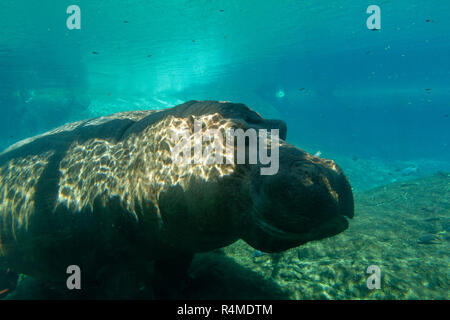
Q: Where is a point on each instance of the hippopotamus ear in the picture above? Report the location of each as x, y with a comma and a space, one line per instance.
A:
231, 111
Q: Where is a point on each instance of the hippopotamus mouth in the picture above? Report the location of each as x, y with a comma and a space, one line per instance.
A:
309, 199
339, 222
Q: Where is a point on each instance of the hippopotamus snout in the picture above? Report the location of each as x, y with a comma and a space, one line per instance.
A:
308, 199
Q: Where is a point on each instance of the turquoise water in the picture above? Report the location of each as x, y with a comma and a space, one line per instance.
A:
364, 91
378, 102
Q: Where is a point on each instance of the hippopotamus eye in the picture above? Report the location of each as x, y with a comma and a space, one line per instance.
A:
303, 168
300, 166
296, 164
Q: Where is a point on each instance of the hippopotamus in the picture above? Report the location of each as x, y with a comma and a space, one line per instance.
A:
106, 195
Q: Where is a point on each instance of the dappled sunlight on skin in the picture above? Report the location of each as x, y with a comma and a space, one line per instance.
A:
132, 115
18, 179
19, 176
135, 170
140, 167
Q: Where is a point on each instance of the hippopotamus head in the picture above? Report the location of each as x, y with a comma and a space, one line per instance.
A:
309, 198
304, 198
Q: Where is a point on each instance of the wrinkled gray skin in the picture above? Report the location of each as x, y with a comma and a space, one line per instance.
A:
271, 213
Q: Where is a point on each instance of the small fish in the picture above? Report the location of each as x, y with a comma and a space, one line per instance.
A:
428, 89
429, 20
221, 10
94, 52
149, 56
317, 154
125, 21
301, 89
